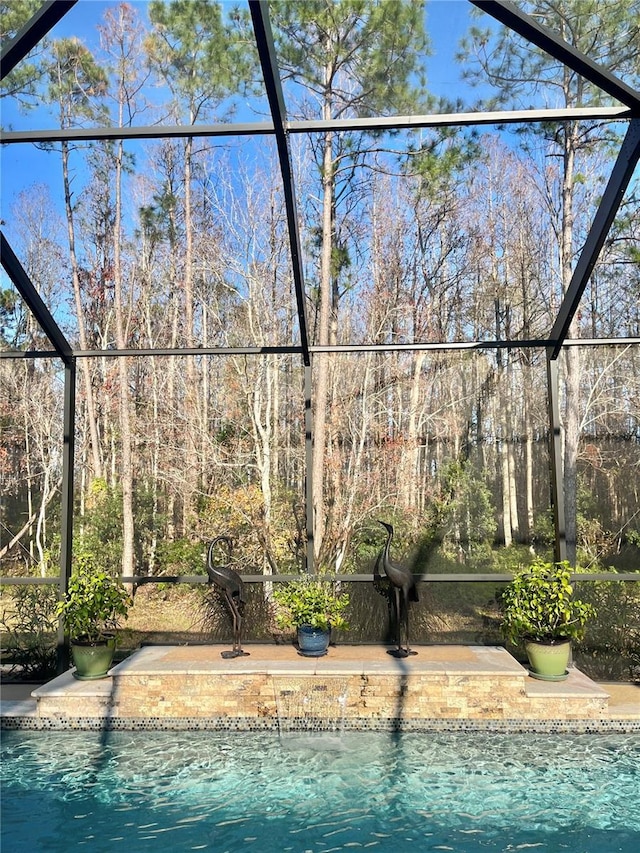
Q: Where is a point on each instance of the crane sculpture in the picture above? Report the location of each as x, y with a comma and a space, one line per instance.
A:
229, 582
402, 580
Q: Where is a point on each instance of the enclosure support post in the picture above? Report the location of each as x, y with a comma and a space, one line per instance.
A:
66, 531
555, 459
308, 443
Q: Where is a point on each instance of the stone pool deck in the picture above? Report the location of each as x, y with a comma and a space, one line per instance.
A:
441, 688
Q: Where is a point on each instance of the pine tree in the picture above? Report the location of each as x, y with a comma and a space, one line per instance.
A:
354, 58
609, 33
205, 61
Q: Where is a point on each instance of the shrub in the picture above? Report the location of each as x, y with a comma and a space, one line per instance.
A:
94, 602
539, 605
310, 601
30, 623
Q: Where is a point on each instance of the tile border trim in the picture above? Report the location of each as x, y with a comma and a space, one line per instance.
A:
257, 724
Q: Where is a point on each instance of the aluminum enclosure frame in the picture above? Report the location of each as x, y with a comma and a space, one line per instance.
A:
505, 12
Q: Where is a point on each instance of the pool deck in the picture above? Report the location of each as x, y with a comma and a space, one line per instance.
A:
443, 687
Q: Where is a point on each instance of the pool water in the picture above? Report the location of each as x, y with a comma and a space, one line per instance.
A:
179, 791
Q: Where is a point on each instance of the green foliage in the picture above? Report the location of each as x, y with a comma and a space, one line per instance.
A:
310, 601
76, 82
457, 525
511, 560
94, 602
102, 524
239, 512
11, 318
613, 638
181, 557
14, 14
203, 58
29, 624
543, 529
460, 516
539, 605
517, 69
21, 82
379, 47
368, 539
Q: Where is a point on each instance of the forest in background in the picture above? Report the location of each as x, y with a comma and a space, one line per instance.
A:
412, 237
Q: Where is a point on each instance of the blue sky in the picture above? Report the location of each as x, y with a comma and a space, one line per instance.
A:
447, 21
23, 165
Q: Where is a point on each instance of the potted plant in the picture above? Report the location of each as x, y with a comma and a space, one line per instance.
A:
91, 609
311, 607
538, 608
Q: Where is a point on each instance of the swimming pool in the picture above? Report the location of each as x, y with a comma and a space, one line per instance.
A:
182, 791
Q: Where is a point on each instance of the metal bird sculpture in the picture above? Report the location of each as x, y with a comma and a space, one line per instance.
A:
402, 580
229, 582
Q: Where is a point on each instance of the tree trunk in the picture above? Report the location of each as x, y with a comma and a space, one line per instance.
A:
504, 480
191, 392
511, 460
528, 464
321, 360
126, 459
572, 354
96, 456
411, 453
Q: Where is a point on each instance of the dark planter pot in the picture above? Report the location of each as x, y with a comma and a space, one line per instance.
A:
93, 660
549, 661
313, 642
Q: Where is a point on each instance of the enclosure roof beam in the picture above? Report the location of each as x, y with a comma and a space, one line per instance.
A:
526, 26
273, 86
152, 131
451, 346
353, 349
618, 182
190, 351
265, 128
25, 287
416, 122
32, 32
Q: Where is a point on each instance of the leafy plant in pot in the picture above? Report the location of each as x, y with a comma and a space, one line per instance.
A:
539, 609
311, 607
91, 609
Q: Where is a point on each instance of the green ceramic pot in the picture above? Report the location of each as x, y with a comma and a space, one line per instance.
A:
93, 660
549, 661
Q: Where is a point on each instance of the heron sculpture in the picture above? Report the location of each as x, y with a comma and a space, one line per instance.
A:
402, 580
229, 582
